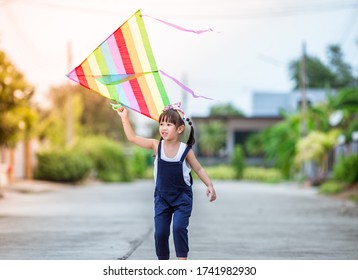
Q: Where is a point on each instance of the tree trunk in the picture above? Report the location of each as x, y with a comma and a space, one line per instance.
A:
28, 159
3, 177
10, 170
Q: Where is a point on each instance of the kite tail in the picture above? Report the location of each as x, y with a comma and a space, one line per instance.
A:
179, 27
184, 86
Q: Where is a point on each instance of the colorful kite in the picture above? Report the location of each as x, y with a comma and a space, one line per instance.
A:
123, 69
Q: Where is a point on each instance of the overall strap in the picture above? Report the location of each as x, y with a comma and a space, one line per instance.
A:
187, 149
159, 149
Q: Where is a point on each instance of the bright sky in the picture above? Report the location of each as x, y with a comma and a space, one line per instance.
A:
250, 50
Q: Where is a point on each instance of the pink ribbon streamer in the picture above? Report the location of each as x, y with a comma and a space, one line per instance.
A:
184, 86
167, 75
179, 27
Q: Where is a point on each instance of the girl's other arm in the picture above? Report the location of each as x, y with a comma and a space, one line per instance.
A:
200, 171
146, 143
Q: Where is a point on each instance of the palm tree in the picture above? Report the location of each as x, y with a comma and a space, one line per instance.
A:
211, 138
279, 143
315, 147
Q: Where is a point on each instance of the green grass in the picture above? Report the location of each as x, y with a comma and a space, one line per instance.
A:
225, 172
331, 187
353, 197
221, 172
267, 175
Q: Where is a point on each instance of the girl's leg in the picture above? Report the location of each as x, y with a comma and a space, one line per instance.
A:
162, 220
180, 227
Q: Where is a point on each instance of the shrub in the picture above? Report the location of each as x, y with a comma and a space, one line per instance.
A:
237, 161
110, 162
268, 175
346, 169
331, 187
221, 172
62, 166
148, 174
141, 159
353, 197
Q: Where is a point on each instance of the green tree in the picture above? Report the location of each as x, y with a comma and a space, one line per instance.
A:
347, 102
53, 121
341, 70
212, 137
254, 145
318, 74
318, 117
347, 99
92, 115
221, 110
238, 161
315, 147
18, 119
346, 169
98, 116
280, 142
336, 74
15, 95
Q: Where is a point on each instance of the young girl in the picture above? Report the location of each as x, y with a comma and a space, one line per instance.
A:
174, 161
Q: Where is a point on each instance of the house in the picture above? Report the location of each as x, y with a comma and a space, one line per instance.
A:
239, 128
271, 103
266, 108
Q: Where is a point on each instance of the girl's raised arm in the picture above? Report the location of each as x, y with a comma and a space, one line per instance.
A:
147, 143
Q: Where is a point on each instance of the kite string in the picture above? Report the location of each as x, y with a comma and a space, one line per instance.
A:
184, 86
179, 27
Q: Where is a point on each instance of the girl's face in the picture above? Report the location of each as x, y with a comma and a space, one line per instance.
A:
168, 131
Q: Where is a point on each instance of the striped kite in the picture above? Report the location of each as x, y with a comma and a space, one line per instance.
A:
123, 69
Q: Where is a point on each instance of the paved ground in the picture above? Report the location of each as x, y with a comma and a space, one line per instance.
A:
115, 221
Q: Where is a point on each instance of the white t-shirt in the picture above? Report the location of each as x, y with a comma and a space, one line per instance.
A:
186, 166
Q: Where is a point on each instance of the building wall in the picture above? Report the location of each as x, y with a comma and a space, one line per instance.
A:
237, 125
270, 103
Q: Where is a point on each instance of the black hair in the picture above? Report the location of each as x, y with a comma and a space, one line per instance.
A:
172, 116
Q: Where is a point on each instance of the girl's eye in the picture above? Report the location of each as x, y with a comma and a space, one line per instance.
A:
166, 124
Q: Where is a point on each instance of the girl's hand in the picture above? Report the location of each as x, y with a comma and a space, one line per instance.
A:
122, 112
210, 192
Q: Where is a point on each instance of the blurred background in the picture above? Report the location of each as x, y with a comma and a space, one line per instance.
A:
283, 75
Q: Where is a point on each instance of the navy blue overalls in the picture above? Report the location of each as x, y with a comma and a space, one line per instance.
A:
173, 198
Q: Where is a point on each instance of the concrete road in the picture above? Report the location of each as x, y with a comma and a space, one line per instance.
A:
115, 221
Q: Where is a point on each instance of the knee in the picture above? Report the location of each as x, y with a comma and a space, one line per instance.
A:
161, 234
